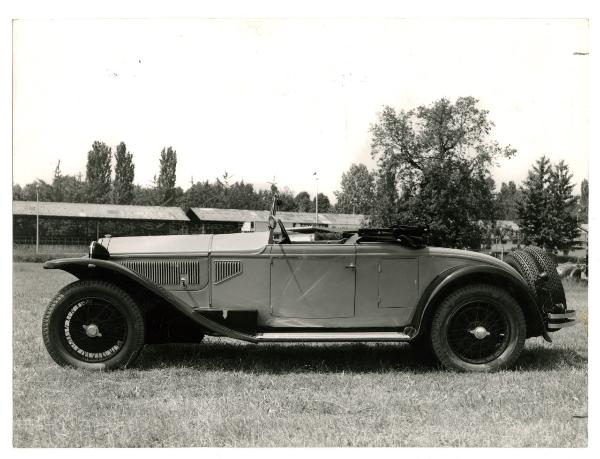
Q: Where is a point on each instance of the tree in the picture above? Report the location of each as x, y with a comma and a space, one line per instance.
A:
98, 172
17, 192
73, 188
145, 196
324, 204
506, 201
165, 183
385, 209
562, 207
303, 203
57, 185
583, 202
546, 209
434, 168
357, 191
288, 203
124, 174
30, 191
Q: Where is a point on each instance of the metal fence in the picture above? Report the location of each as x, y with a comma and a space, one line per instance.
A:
52, 240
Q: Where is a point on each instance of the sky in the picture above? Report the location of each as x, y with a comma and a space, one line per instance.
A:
278, 99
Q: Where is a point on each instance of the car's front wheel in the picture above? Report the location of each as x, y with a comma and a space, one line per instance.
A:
93, 325
478, 328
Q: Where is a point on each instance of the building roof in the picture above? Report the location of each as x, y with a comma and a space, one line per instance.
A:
307, 218
102, 211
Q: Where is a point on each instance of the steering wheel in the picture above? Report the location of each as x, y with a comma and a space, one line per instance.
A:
286, 237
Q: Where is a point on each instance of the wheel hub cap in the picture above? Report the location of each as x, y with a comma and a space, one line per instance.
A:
92, 330
479, 332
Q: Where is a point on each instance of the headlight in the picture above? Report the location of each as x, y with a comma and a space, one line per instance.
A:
98, 251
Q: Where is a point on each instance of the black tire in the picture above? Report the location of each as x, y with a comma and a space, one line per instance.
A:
525, 265
460, 324
553, 284
93, 325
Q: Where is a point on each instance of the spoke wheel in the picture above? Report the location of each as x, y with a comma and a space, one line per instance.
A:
478, 327
94, 330
94, 325
478, 332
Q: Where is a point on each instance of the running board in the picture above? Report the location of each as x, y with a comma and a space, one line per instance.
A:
331, 336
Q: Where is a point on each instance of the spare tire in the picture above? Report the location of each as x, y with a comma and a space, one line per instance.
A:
526, 267
553, 283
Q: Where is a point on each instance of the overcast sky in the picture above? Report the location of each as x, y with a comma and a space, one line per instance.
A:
284, 98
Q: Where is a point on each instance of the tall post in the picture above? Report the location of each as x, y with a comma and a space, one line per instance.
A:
37, 219
317, 200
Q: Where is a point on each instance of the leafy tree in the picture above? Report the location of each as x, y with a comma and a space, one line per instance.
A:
288, 203
29, 191
357, 191
506, 201
200, 194
98, 172
17, 192
124, 174
434, 168
324, 204
385, 209
73, 188
144, 196
583, 202
165, 183
303, 203
546, 210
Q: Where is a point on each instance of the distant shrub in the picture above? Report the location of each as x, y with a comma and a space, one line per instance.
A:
568, 258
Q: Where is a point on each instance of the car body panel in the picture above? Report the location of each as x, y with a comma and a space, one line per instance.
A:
342, 284
301, 280
247, 290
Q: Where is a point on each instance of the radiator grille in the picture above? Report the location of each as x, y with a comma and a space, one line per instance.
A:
226, 269
166, 272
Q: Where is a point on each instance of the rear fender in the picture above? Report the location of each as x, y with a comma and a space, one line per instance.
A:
457, 276
92, 268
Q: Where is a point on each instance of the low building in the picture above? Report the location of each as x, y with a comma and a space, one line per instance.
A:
71, 226
76, 224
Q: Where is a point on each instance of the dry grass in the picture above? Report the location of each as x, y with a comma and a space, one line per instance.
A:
228, 393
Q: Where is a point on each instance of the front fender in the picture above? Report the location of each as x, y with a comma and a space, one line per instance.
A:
456, 276
90, 268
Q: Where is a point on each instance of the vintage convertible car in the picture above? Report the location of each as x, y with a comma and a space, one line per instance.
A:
473, 311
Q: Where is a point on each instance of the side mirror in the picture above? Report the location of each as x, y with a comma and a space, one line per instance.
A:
272, 222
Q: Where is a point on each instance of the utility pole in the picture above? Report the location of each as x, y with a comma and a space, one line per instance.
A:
37, 218
316, 200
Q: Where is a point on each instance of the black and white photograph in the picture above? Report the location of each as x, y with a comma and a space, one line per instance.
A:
300, 231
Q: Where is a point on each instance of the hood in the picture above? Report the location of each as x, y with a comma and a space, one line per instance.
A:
189, 244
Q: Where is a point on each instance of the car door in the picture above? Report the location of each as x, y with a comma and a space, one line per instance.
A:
387, 276
313, 281
397, 282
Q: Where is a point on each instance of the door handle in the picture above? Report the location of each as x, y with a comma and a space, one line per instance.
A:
350, 266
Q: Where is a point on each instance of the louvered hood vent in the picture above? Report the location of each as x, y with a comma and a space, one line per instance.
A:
167, 272
226, 269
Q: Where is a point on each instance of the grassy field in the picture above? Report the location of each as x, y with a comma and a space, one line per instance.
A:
228, 393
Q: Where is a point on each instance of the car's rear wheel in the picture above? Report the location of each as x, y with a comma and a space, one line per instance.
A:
478, 328
93, 325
